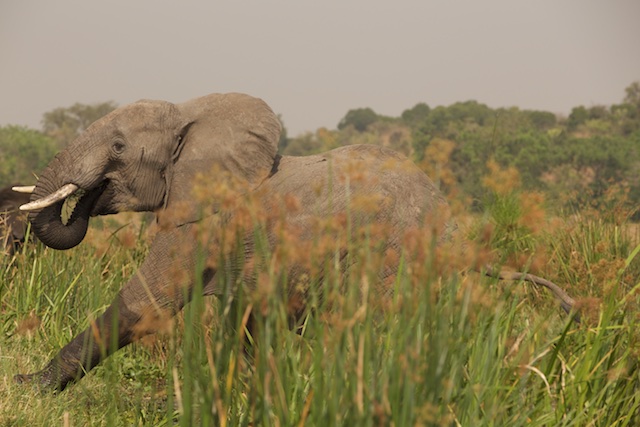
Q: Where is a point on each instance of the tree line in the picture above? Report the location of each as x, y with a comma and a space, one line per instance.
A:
575, 160
26, 151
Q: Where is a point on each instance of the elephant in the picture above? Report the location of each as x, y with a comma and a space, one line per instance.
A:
13, 223
147, 156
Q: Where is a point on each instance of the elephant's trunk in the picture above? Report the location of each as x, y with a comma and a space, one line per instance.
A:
47, 223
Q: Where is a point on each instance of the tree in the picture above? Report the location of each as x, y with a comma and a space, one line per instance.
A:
626, 116
25, 152
64, 125
598, 112
542, 119
415, 115
633, 94
359, 118
578, 116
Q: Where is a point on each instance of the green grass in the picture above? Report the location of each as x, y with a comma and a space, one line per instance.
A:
445, 349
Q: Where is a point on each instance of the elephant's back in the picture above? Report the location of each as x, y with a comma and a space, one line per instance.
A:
368, 181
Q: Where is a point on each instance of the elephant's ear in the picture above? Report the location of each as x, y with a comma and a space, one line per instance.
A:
227, 133
180, 140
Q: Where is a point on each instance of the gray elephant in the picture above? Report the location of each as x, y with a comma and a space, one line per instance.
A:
13, 223
146, 157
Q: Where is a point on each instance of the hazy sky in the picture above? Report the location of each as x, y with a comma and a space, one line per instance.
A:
312, 61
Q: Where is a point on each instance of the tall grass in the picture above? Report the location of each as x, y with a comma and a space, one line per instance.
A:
445, 348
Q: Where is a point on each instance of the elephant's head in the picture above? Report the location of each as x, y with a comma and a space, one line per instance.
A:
144, 156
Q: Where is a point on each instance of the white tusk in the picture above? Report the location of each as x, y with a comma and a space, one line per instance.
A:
24, 189
60, 194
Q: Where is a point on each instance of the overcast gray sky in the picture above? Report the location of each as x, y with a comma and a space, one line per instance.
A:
313, 61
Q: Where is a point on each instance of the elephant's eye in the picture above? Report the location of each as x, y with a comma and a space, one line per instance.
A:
118, 146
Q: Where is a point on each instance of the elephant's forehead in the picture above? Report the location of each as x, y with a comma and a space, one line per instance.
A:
147, 115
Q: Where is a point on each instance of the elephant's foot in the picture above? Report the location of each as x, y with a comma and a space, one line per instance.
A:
49, 379
26, 378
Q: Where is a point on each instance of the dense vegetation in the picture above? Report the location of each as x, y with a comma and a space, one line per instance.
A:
25, 152
445, 349
449, 347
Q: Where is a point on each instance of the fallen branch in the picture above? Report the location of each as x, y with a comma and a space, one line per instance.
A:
566, 302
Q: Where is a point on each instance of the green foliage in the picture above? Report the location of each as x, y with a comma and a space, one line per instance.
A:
359, 118
25, 152
632, 94
542, 120
510, 236
64, 125
578, 116
417, 114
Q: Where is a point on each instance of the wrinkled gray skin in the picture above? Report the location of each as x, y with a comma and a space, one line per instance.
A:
144, 157
13, 223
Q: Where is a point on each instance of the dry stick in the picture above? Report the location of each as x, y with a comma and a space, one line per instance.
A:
566, 301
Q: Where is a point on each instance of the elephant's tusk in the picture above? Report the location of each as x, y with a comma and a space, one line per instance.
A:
60, 194
24, 189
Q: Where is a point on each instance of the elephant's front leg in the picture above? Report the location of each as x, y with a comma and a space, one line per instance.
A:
158, 290
87, 349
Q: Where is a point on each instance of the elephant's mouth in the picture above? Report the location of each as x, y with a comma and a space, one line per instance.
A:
91, 202
100, 199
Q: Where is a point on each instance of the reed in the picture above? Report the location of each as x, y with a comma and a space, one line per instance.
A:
443, 348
